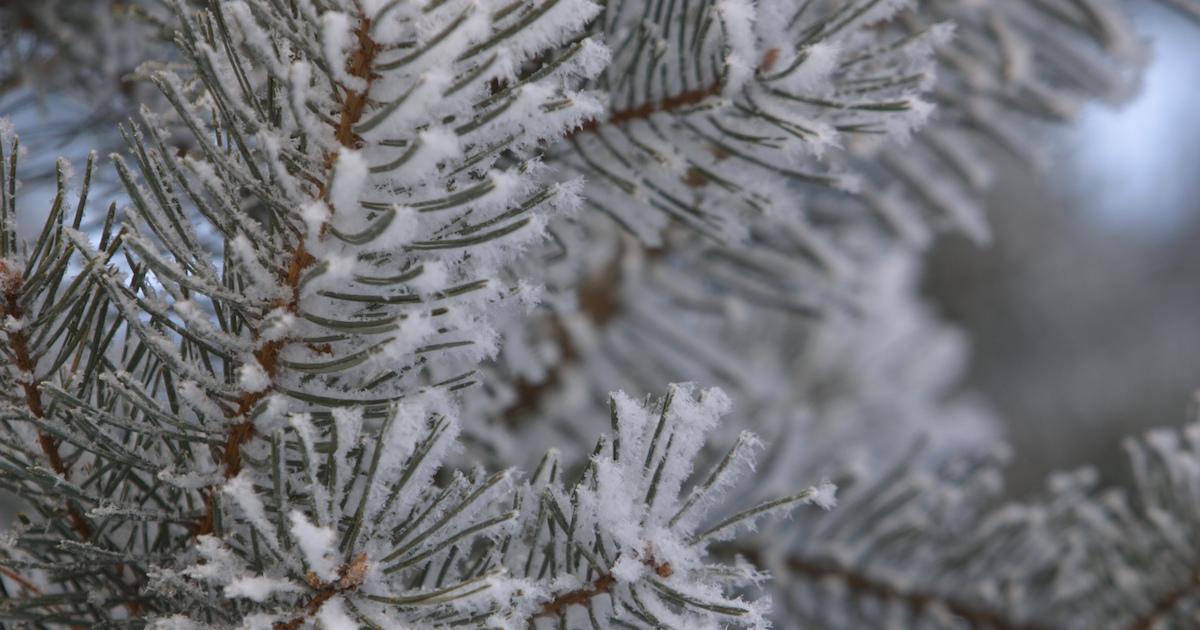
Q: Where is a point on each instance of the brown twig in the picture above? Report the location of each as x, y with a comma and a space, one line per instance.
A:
361, 62
646, 110
18, 342
599, 586
577, 597
350, 577
916, 600
27, 586
671, 103
267, 354
862, 584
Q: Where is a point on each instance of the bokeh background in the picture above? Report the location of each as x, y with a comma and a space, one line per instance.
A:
1084, 311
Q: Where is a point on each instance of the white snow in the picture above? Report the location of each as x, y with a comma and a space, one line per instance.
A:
825, 495
317, 544
337, 39
349, 180
252, 377
333, 616
260, 588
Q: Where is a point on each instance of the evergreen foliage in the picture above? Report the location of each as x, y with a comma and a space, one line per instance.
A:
372, 259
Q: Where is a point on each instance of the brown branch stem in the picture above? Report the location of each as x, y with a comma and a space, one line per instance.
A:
599, 586
577, 597
860, 583
646, 110
29, 587
18, 343
350, 577
916, 600
267, 354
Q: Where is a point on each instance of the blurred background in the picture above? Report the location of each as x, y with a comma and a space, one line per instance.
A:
1084, 311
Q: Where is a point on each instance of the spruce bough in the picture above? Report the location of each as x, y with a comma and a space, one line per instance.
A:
373, 259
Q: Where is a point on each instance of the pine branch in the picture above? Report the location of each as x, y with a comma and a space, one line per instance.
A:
600, 586
267, 354
373, 174
350, 577
36, 321
670, 104
646, 110
635, 518
917, 601
19, 346
361, 64
579, 597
